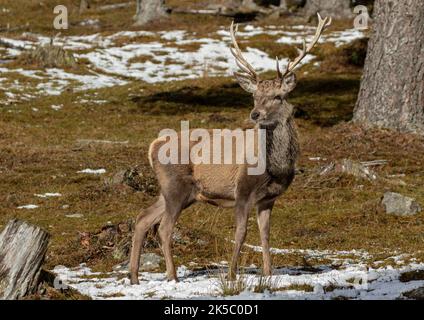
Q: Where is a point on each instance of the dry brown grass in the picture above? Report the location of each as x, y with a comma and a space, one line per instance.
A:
325, 213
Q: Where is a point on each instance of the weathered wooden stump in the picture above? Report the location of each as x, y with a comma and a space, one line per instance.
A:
22, 251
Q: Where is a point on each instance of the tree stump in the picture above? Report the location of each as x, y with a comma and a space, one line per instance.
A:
22, 251
149, 11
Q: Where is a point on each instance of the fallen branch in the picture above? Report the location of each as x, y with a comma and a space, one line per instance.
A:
374, 163
229, 12
115, 6
94, 141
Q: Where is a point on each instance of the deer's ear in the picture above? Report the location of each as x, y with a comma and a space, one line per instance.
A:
289, 83
247, 84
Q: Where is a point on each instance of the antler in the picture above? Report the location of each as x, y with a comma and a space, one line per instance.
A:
247, 70
323, 24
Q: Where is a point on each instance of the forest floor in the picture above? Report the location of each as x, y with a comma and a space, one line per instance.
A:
129, 84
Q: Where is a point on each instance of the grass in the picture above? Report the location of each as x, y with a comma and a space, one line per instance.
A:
39, 153
258, 284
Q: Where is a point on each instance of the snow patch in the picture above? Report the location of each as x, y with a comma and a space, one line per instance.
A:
28, 206
48, 195
354, 280
93, 171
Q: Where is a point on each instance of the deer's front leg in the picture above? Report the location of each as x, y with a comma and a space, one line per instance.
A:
264, 214
241, 216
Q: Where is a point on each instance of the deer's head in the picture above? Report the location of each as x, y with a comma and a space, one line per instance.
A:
270, 95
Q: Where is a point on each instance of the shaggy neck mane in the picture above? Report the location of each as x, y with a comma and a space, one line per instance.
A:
282, 145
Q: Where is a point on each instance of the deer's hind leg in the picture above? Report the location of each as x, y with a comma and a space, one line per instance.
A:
145, 220
176, 201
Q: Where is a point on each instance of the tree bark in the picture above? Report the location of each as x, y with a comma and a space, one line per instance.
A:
148, 11
22, 251
337, 9
392, 87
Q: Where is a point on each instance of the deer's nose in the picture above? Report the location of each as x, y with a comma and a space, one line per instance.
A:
255, 115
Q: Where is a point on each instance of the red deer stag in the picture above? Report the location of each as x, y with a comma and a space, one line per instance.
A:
230, 185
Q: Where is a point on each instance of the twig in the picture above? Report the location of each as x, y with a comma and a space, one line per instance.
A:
115, 6
374, 163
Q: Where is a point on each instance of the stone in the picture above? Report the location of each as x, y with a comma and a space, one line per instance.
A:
399, 205
136, 179
148, 262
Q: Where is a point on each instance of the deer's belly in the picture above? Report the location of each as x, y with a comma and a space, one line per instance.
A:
216, 184
223, 203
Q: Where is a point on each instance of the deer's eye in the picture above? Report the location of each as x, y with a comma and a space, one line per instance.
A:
278, 99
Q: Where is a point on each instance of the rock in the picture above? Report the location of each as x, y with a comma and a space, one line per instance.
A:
417, 294
137, 180
399, 205
148, 262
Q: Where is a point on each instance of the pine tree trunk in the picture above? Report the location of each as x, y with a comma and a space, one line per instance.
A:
283, 5
84, 5
337, 9
392, 88
148, 11
22, 251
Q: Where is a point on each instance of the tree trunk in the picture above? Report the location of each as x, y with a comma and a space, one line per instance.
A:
337, 9
392, 88
84, 5
22, 251
148, 11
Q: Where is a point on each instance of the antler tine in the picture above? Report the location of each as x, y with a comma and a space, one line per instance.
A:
279, 73
246, 68
322, 25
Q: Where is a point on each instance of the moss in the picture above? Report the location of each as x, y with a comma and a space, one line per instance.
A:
417, 275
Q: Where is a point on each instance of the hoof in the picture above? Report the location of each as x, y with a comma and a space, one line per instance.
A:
173, 279
231, 276
134, 281
267, 273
